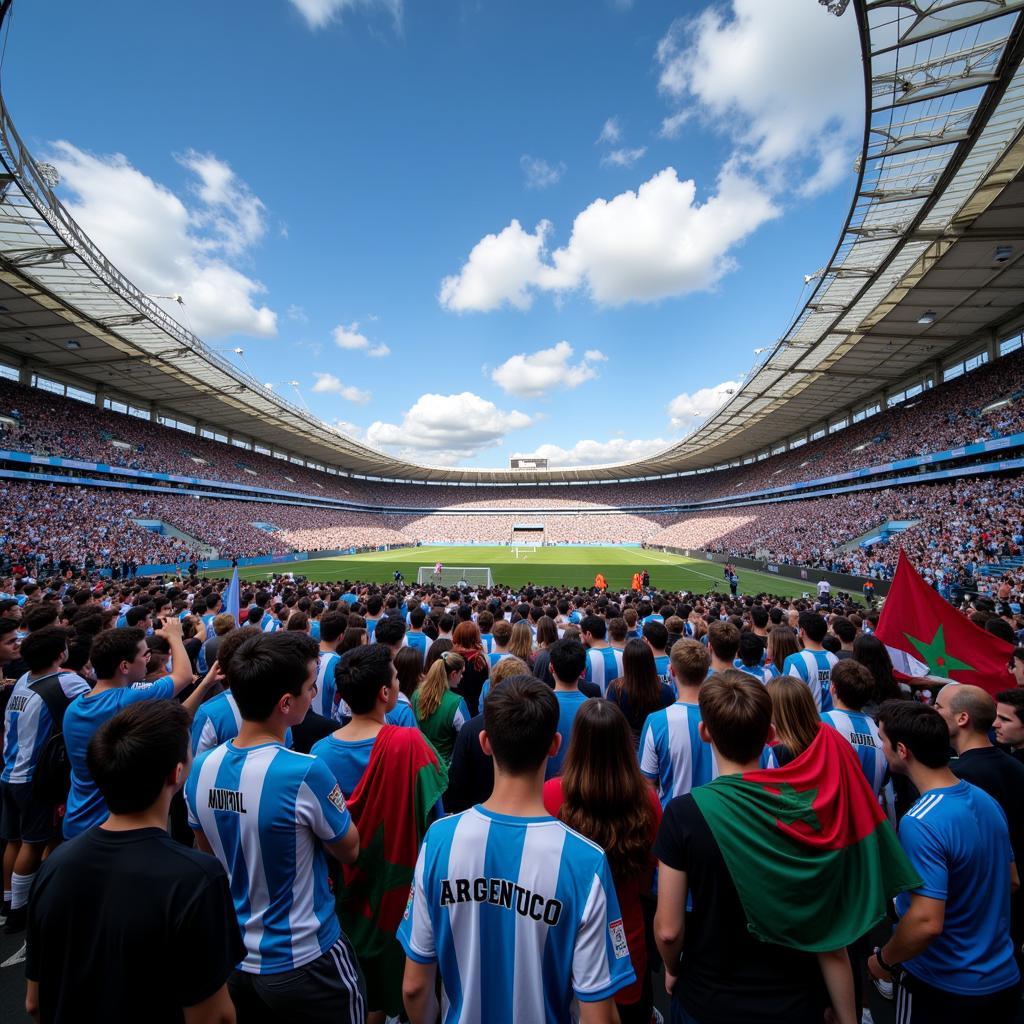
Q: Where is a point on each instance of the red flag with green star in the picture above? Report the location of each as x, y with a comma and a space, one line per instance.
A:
813, 858
927, 636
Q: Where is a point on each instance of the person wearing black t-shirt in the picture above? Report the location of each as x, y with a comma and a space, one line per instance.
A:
124, 923
718, 972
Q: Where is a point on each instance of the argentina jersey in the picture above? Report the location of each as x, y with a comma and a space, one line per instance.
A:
815, 669
759, 672
604, 664
265, 811
672, 752
217, 721
420, 642
862, 734
28, 723
532, 892
326, 690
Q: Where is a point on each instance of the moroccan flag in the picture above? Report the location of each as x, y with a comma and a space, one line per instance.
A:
927, 636
391, 807
813, 858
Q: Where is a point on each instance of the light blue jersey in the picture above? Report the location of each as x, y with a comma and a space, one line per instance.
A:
661, 662
604, 664
487, 639
815, 669
347, 759
957, 840
672, 752
326, 690
28, 724
569, 702
86, 806
217, 721
402, 713
528, 891
265, 811
861, 733
421, 642
495, 656
762, 675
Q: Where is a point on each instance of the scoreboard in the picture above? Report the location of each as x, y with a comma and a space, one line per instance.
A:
528, 463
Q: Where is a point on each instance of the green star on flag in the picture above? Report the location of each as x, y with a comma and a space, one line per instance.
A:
794, 806
940, 663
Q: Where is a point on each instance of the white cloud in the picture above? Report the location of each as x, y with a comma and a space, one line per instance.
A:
637, 247
623, 157
671, 126
167, 247
784, 80
596, 453
539, 173
354, 340
611, 131
320, 13
349, 429
530, 376
689, 410
327, 383
595, 355
447, 428
297, 314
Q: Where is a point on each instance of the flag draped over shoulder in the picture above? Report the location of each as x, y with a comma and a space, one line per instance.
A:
927, 636
390, 807
813, 858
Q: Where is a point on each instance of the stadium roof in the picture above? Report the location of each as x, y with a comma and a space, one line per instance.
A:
929, 262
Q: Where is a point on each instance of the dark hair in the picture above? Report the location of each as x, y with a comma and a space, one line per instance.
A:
594, 625
605, 798
759, 616
135, 615
1002, 629
435, 650
872, 653
1015, 698
921, 729
656, 634
844, 629
724, 640
813, 625
409, 665
43, 647
351, 638
361, 673
853, 682
547, 631
40, 615
265, 668
298, 622
332, 625
113, 646
389, 630
228, 645
568, 659
521, 719
639, 680
8, 625
737, 711
131, 755
750, 649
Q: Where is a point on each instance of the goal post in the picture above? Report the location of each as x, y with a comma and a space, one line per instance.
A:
453, 575
525, 538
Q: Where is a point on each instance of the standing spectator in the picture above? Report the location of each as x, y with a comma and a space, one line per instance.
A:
567, 659
466, 643
604, 662
641, 689
852, 685
813, 664
1009, 723
440, 711
557, 919
794, 716
115, 910
951, 953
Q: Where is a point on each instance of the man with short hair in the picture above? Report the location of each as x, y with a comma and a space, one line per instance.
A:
390, 632
505, 876
332, 628
846, 631
119, 658
568, 659
750, 657
813, 664
124, 921
269, 813
28, 823
656, 638
604, 663
502, 634
1009, 723
951, 953
1017, 666
419, 641
851, 688
724, 643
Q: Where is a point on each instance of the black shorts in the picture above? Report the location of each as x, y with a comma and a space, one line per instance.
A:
917, 1002
327, 990
23, 818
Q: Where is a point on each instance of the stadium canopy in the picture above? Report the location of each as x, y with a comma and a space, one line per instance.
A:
929, 266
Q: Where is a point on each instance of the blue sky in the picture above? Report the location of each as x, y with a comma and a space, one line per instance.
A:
468, 230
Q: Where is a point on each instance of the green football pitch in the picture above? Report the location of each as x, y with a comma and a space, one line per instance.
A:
546, 566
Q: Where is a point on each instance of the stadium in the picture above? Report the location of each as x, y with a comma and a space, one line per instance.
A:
884, 428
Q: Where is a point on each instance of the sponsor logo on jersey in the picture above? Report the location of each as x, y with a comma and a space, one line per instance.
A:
618, 933
337, 798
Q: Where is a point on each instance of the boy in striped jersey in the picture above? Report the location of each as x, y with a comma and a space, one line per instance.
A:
506, 879
268, 814
851, 688
813, 664
332, 628
604, 662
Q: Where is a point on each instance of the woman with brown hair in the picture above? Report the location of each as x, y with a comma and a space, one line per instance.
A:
782, 642
440, 712
521, 644
547, 632
795, 717
602, 795
639, 690
467, 644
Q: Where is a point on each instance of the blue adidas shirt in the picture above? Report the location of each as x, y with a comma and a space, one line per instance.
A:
569, 702
861, 733
520, 915
604, 664
958, 842
265, 811
421, 642
347, 759
672, 752
402, 713
661, 662
86, 806
815, 669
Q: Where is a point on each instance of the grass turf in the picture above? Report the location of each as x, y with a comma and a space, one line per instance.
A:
547, 566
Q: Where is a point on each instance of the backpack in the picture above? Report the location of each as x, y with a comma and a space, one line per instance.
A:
51, 781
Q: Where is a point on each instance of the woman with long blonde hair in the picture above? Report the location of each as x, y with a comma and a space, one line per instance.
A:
441, 713
795, 717
602, 795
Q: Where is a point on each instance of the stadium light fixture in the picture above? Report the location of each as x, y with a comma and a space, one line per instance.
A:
1003, 253
72, 344
929, 316
758, 351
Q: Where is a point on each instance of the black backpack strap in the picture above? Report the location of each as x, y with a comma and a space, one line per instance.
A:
54, 697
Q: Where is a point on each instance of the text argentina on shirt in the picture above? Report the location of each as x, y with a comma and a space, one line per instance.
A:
500, 892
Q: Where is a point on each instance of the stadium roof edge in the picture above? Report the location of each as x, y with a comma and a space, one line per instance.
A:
940, 182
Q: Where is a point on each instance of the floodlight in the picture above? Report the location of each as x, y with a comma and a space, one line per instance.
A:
928, 317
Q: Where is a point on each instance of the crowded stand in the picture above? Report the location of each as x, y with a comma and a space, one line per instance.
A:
420, 725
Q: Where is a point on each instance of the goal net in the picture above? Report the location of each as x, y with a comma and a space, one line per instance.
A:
526, 538
452, 576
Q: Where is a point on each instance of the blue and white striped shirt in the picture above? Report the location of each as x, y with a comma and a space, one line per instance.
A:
672, 752
861, 733
604, 664
815, 669
265, 811
326, 690
217, 721
519, 913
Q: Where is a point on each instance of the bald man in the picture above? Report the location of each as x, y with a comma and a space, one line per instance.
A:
969, 713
